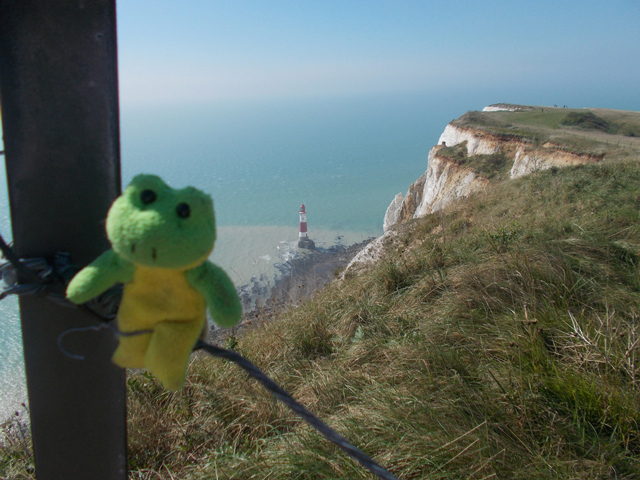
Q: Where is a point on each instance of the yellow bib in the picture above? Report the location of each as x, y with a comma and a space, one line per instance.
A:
156, 295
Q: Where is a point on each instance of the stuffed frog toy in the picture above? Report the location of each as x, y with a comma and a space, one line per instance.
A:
161, 239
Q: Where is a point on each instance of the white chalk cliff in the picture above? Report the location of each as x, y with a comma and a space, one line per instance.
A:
369, 254
447, 179
444, 182
477, 143
502, 107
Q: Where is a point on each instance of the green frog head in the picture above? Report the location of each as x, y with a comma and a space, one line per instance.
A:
155, 225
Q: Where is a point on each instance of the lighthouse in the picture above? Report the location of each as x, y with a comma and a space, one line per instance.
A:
303, 238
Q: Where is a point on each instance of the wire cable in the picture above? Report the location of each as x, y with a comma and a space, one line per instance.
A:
43, 281
282, 395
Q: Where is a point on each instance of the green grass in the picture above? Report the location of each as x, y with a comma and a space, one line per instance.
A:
495, 166
547, 117
504, 346
16, 457
589, 121
628, 123
622, 125
612, 133
552, 118
500, 339
621, 122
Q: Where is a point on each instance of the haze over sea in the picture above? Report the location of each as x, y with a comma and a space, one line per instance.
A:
344, 158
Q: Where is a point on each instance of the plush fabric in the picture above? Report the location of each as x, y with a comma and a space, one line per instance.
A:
161, 239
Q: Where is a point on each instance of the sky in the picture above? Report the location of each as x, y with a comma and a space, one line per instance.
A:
199, 51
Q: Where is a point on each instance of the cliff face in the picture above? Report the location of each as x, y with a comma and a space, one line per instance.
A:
445, 181
478, 142
447, 178
503, 142
550, 155
403, 208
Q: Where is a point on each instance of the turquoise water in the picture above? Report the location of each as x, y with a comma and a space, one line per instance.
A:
344, 158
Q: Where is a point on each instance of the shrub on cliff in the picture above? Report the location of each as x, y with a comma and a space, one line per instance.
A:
589, 121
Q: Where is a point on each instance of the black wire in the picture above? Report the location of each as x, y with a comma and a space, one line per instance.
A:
301, 411
10, 255
275, 389
94, 328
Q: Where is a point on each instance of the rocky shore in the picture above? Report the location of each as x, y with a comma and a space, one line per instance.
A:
300, 277
311, 270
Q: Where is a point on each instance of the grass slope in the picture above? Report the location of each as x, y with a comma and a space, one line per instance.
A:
498, 340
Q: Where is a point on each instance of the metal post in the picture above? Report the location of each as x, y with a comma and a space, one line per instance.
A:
58, 84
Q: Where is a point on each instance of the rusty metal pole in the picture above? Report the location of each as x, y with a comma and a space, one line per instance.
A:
59, 94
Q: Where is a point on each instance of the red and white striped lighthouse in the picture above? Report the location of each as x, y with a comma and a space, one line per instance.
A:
303, 238
303, 222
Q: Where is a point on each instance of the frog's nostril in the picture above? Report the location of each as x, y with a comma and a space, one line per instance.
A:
133, 248
153, 253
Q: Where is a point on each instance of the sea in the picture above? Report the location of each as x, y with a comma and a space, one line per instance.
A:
344, 158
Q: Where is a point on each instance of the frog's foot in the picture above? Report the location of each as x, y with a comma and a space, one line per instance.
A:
131, 351
169, 349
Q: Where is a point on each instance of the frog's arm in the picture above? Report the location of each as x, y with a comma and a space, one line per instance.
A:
99, 276
218, 290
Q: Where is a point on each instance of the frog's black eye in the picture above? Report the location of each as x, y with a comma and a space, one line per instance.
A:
183, 210
148, 196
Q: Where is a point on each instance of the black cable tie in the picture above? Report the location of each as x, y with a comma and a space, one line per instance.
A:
15, 261
94, 328
60, 299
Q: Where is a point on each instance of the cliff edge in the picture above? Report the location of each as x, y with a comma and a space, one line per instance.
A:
504, 142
